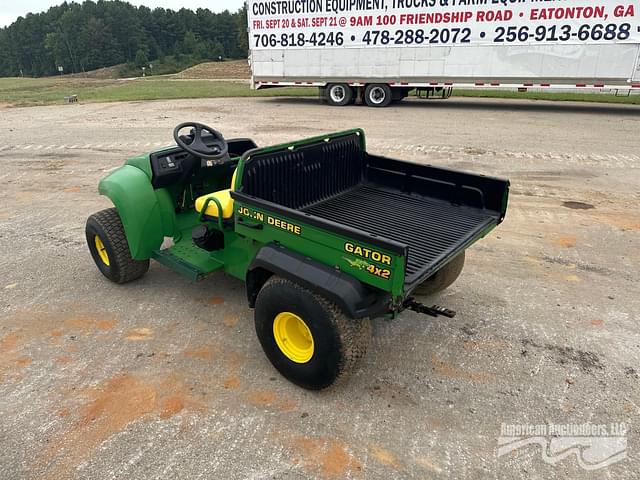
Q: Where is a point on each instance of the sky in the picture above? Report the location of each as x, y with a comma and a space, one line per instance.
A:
11, 10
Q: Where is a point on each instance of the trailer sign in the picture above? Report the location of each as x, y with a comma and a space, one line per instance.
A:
304, 24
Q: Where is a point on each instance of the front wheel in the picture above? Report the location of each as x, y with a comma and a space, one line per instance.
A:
378, 95
307, 338
109, 248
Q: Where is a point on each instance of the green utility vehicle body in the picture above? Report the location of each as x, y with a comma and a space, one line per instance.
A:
325, 235
360, 229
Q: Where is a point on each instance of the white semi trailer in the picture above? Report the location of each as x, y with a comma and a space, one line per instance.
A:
379, 50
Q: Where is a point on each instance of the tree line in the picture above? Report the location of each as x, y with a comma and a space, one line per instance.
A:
92, 35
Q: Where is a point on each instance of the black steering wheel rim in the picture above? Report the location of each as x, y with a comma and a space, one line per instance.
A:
197, 147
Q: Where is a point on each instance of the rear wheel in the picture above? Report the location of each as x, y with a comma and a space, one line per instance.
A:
307, 338
109, 248
339, 94
443, 278
378, 95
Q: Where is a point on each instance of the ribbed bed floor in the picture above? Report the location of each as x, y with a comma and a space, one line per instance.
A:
431, 228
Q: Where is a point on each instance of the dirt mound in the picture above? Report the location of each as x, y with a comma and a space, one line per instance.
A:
106, 73
216, 70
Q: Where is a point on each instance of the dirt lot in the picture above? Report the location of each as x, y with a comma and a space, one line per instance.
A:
165, 379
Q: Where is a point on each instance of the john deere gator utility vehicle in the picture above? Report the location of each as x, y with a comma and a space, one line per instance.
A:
324, 234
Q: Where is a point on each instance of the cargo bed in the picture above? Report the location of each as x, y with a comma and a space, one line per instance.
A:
434, 230
424, 213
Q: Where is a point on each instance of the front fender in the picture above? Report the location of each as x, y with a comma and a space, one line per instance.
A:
131, 192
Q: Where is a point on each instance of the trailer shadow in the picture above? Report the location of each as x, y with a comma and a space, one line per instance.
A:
485, 104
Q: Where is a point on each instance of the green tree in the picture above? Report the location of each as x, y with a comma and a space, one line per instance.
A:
242, 37
93, 34
141, 59
189, 43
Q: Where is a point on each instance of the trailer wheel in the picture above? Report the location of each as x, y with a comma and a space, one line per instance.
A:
443, 278
307, 338
378, 95
109, 248
339, 94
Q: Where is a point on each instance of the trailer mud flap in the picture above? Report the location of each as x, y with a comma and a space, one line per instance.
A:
356, 300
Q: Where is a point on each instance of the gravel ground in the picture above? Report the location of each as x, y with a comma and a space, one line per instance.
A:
165, 379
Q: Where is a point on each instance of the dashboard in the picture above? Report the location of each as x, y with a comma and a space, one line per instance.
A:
175, 166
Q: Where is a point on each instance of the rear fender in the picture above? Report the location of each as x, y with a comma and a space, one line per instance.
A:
353, 297
131, 192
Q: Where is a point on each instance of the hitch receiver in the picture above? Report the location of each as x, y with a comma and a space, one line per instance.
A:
434, 311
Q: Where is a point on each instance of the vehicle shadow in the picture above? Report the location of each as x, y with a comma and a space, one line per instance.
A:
487, 104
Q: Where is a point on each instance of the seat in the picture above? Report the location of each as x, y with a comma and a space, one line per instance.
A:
223, 197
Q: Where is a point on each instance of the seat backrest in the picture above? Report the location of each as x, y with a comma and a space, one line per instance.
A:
299, 176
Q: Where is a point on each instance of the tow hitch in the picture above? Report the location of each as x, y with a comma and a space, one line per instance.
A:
434, 311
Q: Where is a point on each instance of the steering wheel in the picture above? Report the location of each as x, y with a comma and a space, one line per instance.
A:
216, 148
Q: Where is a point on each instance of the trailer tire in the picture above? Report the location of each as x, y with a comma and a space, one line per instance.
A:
378, 95
307, 338
443, 278
109, 248
339, 94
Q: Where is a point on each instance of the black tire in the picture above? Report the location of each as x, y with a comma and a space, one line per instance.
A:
443, 278
120, 267
338, 341
378, 95
338, 94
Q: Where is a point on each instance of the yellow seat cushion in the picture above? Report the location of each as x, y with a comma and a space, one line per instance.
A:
226, 202
223, 196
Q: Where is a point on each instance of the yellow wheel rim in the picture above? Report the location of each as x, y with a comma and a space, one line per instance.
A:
102, 251
293, 337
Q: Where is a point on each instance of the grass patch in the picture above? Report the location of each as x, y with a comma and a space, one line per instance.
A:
633, 99
48, 91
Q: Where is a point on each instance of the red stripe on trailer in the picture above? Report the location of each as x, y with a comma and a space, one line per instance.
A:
545, 84
448, 84
599, 85
528, 84
495, 84
635, 85
404, 83
479, 84
581, 85
298, 83
434, 83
